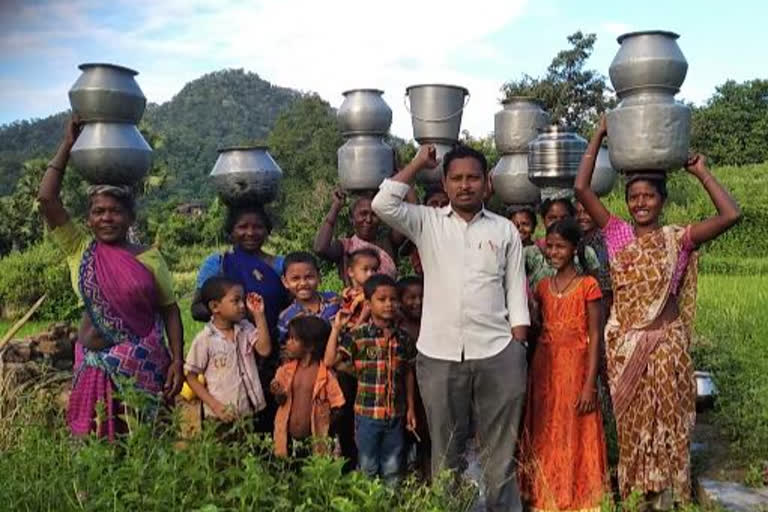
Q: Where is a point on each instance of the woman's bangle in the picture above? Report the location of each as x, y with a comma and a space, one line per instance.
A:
56, 167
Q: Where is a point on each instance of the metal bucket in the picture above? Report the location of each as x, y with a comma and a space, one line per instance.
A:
436, 111
705, 389
246, 173
111, 154
106, 92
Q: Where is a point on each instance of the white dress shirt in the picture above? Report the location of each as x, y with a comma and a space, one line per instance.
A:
474, 276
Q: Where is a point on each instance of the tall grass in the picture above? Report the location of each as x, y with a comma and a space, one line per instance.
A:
732, 342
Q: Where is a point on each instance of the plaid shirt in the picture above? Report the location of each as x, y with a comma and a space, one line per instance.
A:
329, 305
380, 365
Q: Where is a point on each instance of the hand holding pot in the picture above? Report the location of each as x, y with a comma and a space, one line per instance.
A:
72, 130
426, 157
696, 164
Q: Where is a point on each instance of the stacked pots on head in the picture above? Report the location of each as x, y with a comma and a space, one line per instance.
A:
515, 126
436, 111
553, 160
110, 148
365, 159
649, 130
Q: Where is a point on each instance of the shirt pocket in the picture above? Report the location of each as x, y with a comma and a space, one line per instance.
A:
487, 256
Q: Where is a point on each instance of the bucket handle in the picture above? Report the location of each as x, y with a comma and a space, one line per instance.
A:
439, 120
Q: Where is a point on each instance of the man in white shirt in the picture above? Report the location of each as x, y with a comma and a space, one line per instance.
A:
471, 361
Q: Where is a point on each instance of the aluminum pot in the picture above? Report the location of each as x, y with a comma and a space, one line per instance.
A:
604, 177
436, 111
649, 131
106, 92
364, 111
511, 183
554, 157
246, 173
517, 124
705, 389
111, 154
650, 59
364, 161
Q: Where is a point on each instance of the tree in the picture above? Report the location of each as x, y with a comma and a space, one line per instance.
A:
571, 94
732, 128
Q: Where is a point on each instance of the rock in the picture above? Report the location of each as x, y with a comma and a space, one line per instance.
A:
732, 496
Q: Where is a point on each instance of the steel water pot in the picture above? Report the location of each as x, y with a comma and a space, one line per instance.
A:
604, 177
517, 124
511, 183
364, 111
554, 157
436, 111
649, 131
107, 92
364, 161
111, 154
246, 173
649, 59
435, 176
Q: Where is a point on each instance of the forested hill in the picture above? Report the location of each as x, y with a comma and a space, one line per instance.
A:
221, 108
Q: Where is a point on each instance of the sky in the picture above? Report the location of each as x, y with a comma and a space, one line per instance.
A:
329, 46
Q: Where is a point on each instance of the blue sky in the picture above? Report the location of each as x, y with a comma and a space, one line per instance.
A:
333, 45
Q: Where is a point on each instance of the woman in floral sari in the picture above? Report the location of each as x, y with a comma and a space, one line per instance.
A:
648, 334
127, 295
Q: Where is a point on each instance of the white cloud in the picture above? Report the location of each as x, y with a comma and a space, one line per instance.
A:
326, 47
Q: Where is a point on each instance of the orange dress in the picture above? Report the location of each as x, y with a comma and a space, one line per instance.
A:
562, 454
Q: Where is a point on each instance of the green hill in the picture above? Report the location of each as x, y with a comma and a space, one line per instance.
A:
221, 108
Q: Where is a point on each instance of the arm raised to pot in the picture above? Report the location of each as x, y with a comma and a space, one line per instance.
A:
582, 187
49, 195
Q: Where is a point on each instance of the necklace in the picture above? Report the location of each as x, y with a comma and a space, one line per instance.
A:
560, 291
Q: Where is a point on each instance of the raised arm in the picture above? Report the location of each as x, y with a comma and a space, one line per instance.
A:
325, 246
389, 203
332, 347
263, 342
582, 187
728, 211
49, 195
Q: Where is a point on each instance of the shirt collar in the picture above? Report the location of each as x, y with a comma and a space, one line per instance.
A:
448, 211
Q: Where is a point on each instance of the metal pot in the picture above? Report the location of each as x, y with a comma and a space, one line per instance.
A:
511, 183
705, 389
554, 157
650, 59
649, 131
106, 92
364, 111
111, 154
435, 176
518, 124
364, 161
436, 111
246, 173
604, 177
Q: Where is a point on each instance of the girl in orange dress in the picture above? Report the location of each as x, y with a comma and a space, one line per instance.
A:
563, 454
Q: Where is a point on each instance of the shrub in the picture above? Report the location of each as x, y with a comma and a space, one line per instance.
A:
27, 275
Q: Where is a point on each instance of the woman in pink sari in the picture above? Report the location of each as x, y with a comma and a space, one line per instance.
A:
128, 301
